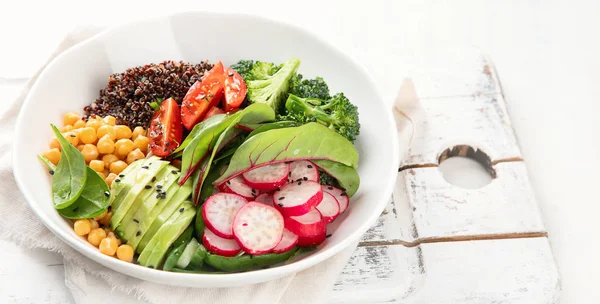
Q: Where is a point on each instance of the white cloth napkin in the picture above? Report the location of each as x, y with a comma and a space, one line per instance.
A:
93, 283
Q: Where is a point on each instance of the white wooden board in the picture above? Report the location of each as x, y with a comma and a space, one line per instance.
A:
439, 243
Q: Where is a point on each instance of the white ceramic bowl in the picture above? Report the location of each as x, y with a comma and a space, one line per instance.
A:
73, 80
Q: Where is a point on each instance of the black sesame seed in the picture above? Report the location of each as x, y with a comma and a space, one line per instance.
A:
288, 162
299, 179
72, 135
309, 166
147, 186
174, 171
330, 188
136, 220
75, 209
230, 74
299, 183
283, 197
106, 193
305, 178
145, 167
158, 195
253, 191
181, 209
117, 180
159, 186
280, 205
154, 179
328, 236
290, 173
151, 267
229, 182
138, 233
121, 175
51, 172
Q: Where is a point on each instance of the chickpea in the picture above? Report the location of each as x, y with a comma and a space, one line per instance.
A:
90, 152
141, 142
79, 124
118, 166
110, 178
123, 132
107, 130
106, 219
113, 236
106, 145
134, 155
80, 147
123, 147
137, 131
97, 165
55, 144
87, 135
96, 236
110, 120
53, 155
125, 253
93, 123
82, 227
102, 175
70, 118
108, 159
67, 128
108, 246
72, 138
94, 224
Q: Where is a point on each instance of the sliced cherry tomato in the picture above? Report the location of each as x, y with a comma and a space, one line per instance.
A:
202, 96
213, 111
235, 90
165, 129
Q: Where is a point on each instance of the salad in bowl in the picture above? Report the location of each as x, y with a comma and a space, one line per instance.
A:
206, 168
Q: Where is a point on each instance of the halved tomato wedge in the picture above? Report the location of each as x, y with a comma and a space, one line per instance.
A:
165, 129
202, 96
235, 90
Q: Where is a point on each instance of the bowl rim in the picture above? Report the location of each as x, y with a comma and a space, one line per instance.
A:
250, 276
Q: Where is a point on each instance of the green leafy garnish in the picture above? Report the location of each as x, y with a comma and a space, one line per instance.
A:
70, 174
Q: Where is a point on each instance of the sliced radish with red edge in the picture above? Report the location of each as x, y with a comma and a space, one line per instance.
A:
297, 198
265, 198
219, 245
339, 194
288, 241
258, 228
218, 212
267, 178
329, 207
309, 224
312, 240
303, 170
237, 186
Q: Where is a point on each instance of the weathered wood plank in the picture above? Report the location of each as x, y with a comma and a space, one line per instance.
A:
488, 271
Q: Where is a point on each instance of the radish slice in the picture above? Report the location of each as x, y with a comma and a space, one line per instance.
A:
303, 170
312, 240
258, 228
237, 186
309, 224
267, 178
329, 207
288, 241
219, 245
298, 198
339, 194
218, 212
265, 198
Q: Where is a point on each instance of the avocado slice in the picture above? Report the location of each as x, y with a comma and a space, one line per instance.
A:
149, 196
125, 180
156, 249
140, 178
158, 215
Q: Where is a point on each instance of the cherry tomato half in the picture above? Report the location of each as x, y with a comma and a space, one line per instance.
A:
165, 129
235, 90
202, 96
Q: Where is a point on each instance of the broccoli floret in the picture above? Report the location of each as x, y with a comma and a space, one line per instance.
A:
266, 82
309, 88
337, 113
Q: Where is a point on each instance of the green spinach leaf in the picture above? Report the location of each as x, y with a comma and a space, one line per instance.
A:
70, 175
93, 201
346, 176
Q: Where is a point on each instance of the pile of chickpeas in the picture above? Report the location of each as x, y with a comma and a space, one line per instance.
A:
108, 149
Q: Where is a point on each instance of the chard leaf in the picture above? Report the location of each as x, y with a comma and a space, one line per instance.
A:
346, 176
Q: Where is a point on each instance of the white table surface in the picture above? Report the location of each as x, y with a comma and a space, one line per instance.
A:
546, 54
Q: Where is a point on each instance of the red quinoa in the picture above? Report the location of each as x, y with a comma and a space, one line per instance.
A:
128, 94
